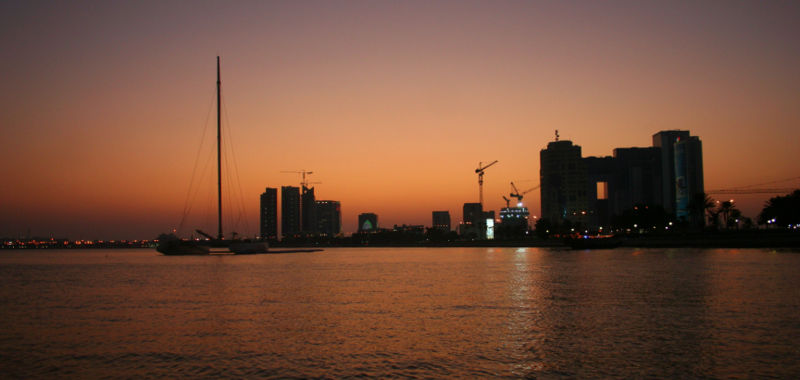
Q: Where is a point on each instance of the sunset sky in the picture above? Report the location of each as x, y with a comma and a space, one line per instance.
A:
391, 104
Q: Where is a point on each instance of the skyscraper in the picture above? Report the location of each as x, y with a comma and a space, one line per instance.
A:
290, 210
473, 221
269, 214
563, 178
309, 211
666, 141
593, 190
600, 173
688, 177
441, 220
637, 180
329, 218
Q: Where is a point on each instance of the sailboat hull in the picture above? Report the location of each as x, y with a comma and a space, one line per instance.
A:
171, 245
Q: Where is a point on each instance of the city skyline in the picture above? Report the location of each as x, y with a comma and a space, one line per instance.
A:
391, 105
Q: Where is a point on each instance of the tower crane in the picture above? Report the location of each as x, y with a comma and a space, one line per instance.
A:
517, 194
757, 189
304, 183
774, 190
507, 201
479, 171
303, 190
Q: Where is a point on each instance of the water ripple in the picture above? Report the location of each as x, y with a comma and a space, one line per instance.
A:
404, 313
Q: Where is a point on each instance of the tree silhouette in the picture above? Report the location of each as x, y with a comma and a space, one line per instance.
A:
729, 212
785, 210
700, 206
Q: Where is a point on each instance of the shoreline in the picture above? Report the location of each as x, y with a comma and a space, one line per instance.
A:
723, 239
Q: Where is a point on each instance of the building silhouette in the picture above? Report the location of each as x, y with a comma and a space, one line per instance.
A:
473, 221
367, 222
564, 183
290, 211
329, 218
269, 214
665, 140
637, 179
591, 191
601, 175
308, 211
410, 229
441, 220
688, 178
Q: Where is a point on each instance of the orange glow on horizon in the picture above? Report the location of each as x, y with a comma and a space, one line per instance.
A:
391, 105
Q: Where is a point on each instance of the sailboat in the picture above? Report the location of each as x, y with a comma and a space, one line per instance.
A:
171, 244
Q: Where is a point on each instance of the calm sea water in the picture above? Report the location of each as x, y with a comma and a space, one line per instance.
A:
418, 312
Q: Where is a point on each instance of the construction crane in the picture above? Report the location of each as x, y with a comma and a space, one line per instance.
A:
785, 190
507, 201
517, 194
480, 170
757, 189
304, 183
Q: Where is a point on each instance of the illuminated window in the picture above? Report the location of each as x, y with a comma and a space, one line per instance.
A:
602, 190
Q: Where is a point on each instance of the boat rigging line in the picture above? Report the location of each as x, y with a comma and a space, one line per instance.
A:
242, 210
187, 206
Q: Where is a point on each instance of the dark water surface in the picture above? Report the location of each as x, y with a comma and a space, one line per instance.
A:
389, 312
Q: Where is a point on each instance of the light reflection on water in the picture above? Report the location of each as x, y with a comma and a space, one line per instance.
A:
416, 312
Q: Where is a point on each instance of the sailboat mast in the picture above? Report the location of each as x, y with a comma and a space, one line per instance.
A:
219, 158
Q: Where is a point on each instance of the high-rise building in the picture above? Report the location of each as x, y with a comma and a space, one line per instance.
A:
637, 179
269, 214
290, 210
441, 220
473, 221
472, 213
367, 222
600, 173
688, 177
682, 171
665, 140
563, 182
309, 211
329, 218
669, 174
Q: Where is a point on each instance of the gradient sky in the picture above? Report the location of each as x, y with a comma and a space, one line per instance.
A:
391, 104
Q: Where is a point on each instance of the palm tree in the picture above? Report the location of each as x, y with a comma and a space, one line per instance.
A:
702, 204
734, 217
782, 210
729, 213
